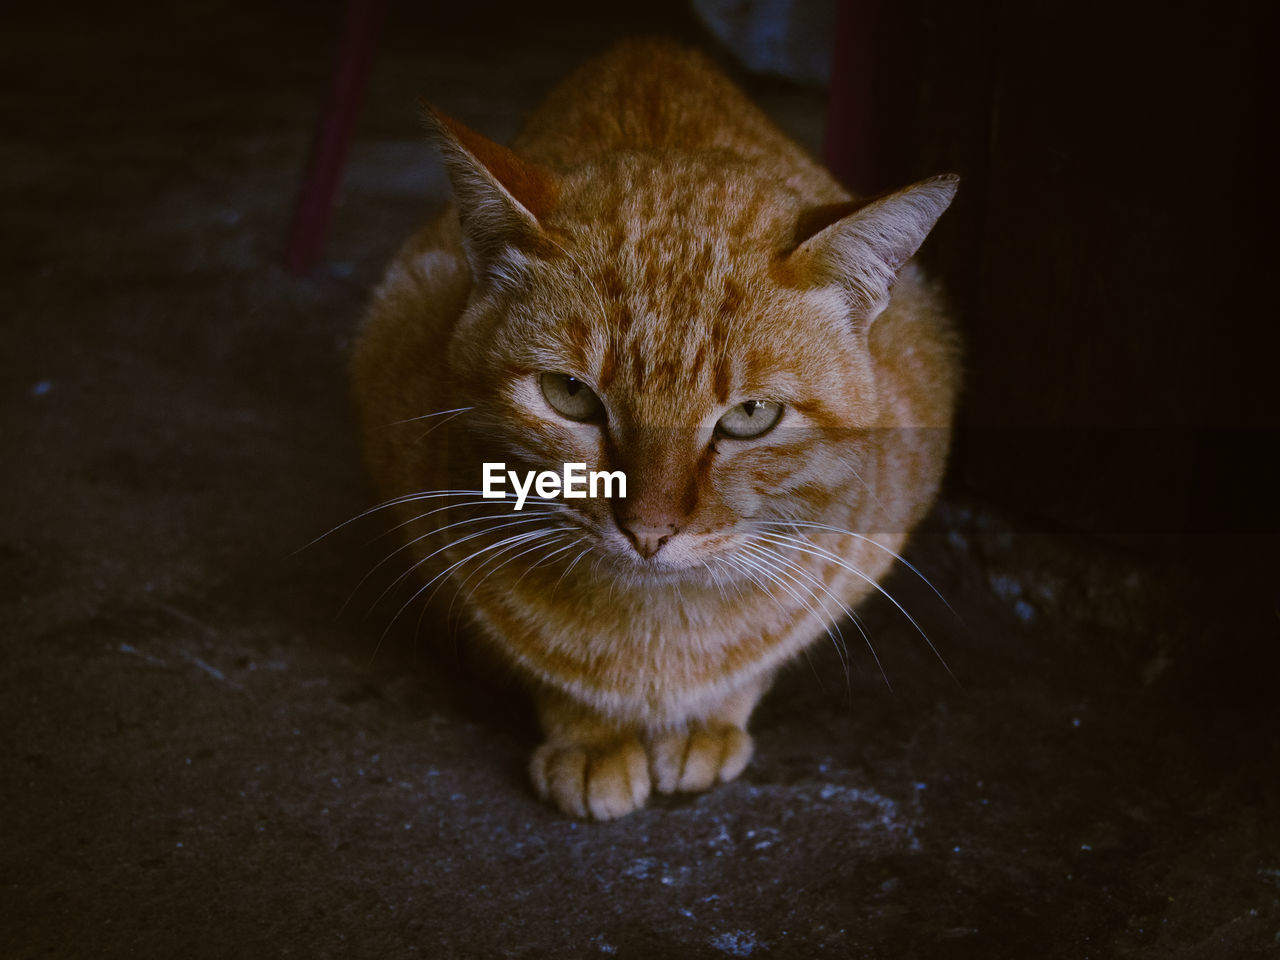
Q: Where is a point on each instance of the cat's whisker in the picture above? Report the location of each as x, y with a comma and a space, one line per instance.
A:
538, 539
595, 575
543, 560
572, 564
865, 539
770, 594
853, 616
870, 490
795, 543
449, 617
448, 546
595, 567
822, 617
794, 572
393, 502
735, 582
737, 562
715, 579
555, 533
442, 578
438, 578
428, 416
545, 513
454, 506
430, 533
497, 556
440, 423
732, 564
511, 543
833, 630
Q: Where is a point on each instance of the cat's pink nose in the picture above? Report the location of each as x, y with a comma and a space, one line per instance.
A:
647, 540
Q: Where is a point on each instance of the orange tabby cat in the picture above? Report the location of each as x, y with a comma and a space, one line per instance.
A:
654, 279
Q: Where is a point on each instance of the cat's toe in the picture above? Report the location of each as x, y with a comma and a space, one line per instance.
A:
699, 759
601, 782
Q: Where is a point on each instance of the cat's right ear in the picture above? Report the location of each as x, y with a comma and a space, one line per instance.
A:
863, 250
501, 197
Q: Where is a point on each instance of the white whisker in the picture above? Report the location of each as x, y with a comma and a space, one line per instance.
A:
866, 539
428, 416
822, 617
537, 545
833, 631
441, 423
732, 564
853, 616
572, 564
520, 537
805, 546
393, 502
532, 518
715, 579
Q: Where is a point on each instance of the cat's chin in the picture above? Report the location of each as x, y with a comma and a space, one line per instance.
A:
628, 561
676, 568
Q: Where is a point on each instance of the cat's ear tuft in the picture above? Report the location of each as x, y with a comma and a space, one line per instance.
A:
864, 250
501, 197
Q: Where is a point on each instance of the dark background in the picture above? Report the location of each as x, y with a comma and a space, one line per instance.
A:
204, 754
1109, 253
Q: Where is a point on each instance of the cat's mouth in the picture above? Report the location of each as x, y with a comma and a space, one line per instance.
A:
653, 570
665, 556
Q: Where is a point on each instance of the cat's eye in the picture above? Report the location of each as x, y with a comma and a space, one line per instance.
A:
570, 397
751, 418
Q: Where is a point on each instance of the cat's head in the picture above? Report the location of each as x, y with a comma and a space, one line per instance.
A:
684, 319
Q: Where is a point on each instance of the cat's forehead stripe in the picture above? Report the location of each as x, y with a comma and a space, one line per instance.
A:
671, 303
608, 368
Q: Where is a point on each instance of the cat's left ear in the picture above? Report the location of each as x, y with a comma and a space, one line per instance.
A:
501, 197
863, 251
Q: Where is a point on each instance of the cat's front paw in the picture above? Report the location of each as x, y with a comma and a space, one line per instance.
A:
597, 781
698, 759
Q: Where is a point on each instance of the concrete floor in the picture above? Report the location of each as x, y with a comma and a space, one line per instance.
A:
204, 756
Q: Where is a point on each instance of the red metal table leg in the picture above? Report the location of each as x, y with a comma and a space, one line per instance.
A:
328, 156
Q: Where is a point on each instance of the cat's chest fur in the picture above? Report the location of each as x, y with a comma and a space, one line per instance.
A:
658, 282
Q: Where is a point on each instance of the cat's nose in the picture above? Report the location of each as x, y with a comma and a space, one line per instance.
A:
647, 540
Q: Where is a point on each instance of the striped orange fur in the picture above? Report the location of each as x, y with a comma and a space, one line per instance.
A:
651, 235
